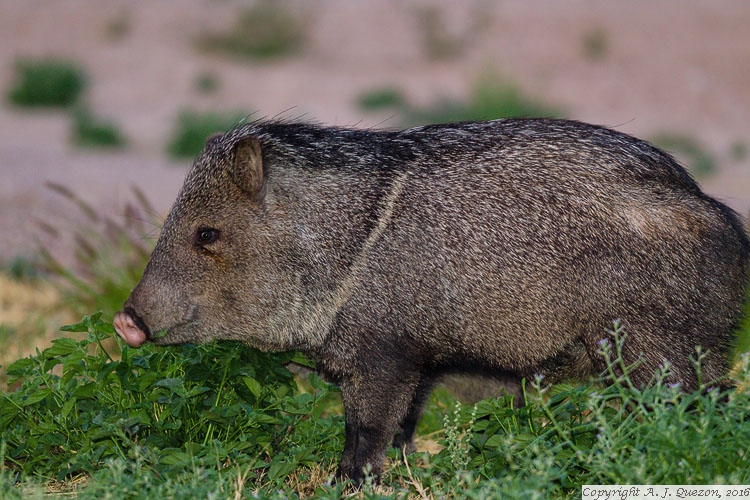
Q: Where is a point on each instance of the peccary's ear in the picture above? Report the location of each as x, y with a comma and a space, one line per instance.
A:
247, 171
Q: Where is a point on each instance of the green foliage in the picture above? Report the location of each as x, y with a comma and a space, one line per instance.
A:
456, 444
89, 131
491, 98
127, 479
381, 98
194, 128
222, 420
22, 268
697, 158
494, 98
171, 409
53, 83
47, 83
207, 83
595, 44
266, 30
610, 436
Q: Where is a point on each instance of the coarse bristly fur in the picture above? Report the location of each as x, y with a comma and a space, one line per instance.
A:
392, 257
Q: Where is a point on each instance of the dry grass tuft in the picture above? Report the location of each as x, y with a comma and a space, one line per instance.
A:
305, 481
31, 313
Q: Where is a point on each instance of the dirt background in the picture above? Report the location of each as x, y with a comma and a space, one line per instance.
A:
679, 66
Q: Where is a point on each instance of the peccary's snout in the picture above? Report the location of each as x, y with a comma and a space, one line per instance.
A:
131, 327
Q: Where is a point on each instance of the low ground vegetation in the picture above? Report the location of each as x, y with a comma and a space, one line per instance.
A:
56, 83
47, 83
224, 420
267, 30
491, 97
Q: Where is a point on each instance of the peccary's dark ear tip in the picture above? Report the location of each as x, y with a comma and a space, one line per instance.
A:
247, 170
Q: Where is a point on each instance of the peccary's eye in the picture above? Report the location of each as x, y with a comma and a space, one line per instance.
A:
206, 236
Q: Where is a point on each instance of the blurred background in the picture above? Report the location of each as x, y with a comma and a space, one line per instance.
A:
104, 104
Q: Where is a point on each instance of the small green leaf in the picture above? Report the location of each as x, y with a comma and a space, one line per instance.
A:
35, 397
495, 441
301, 359
20, 367
90, 390
7, 413
67, 407
263, 418
81, 326
172, 383
280, 468
253, 385
60, 347
105, 327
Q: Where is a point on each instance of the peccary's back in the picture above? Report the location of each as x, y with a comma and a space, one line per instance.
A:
510, 239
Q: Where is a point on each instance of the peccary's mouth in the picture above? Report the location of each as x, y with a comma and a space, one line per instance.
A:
131, 327
139, 322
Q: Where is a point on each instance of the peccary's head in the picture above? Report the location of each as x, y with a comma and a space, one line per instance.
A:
217, 269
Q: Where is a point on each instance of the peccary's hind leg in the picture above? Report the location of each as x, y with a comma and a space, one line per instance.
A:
648, 347
512, 386
375, 405
404, 438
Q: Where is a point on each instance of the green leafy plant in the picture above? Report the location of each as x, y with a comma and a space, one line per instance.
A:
176, 408
457, 445
90, 131
47, 83
207, 83
492, 97
595, 44
194, 128
224, 420
23, 267
619, 434
381, 98
266, 30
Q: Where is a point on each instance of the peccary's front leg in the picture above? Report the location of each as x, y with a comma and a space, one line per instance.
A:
375, 405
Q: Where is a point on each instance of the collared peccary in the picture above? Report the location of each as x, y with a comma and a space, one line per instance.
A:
392, 257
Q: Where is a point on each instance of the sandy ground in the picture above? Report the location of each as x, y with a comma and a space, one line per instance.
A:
675, 65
